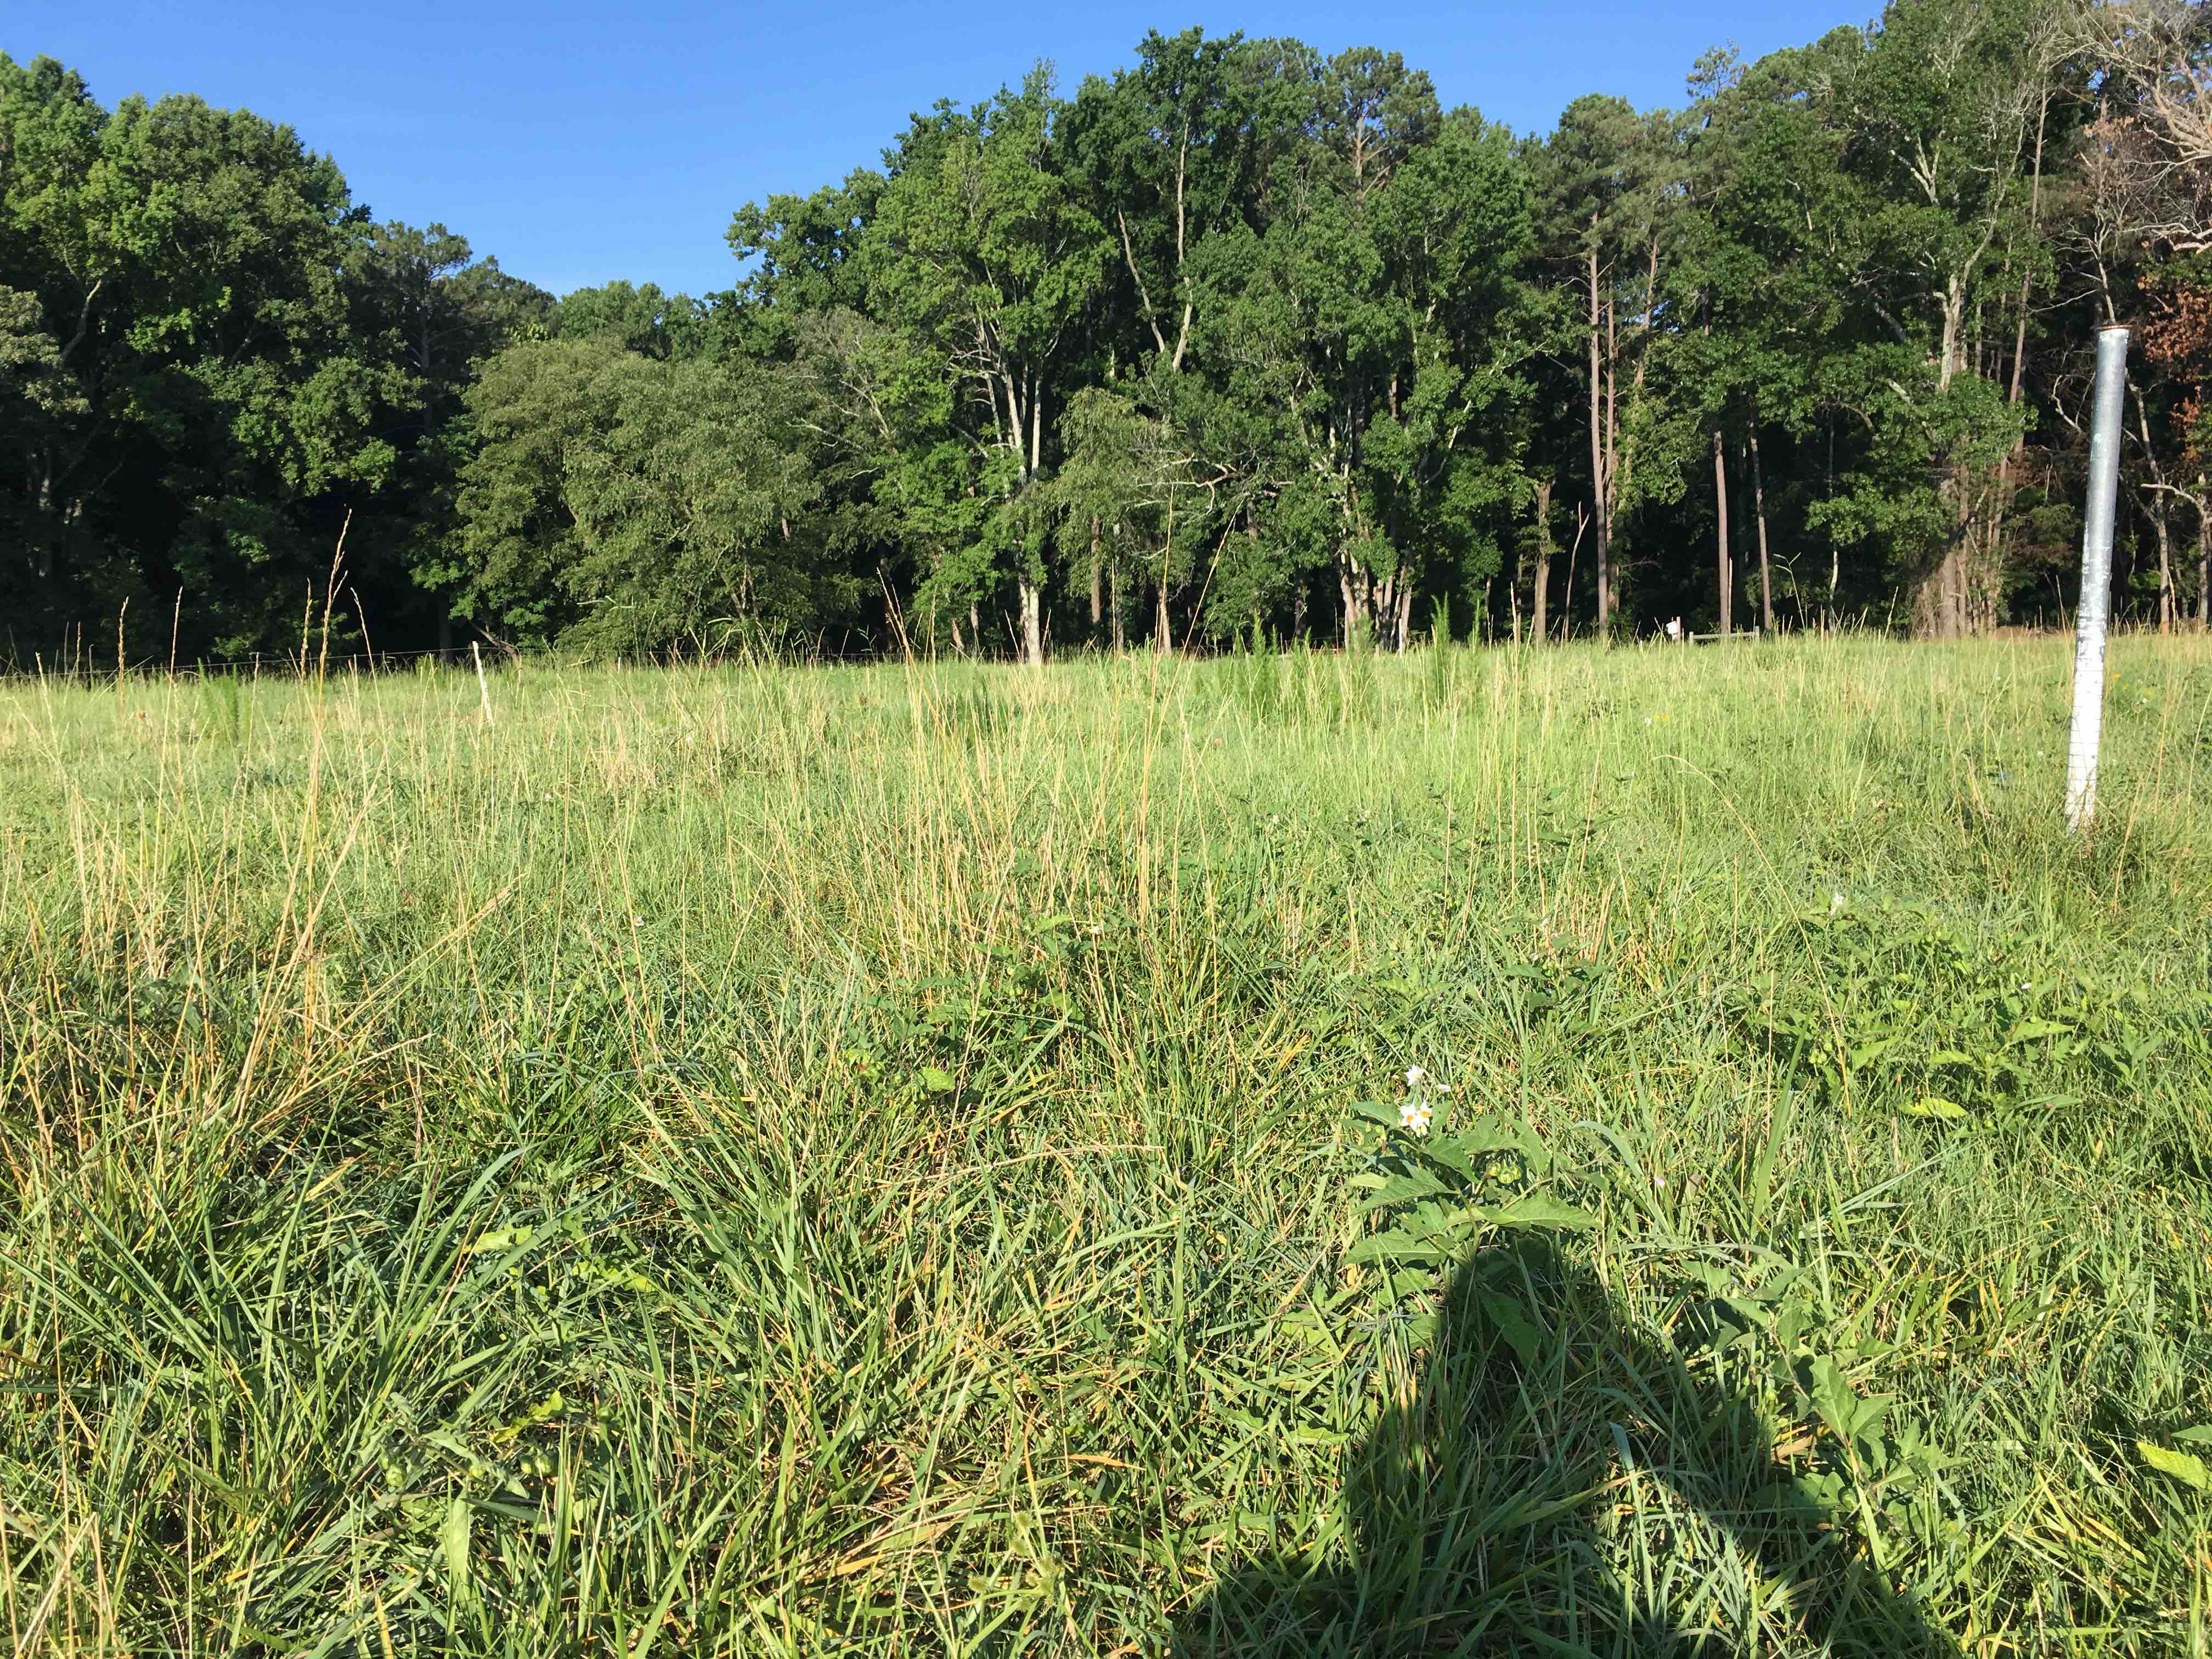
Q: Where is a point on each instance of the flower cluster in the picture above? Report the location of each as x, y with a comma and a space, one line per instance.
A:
1419, 1110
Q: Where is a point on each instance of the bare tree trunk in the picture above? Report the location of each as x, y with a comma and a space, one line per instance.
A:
2002, 505
1163, 639
1539, 599
1405, 609
1114, 599
1567, 594
2158, 505
1382, 603
2203, 564
1358, 589
1758, 506
2167, 609
1936, 602
2035, 221
1720, 566
974, 627
1097, 578
1032, 598
1601, 447
1940, 605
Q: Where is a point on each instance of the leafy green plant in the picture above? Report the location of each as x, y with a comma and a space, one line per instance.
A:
1870, 1468
1443, 1181
1894, 1004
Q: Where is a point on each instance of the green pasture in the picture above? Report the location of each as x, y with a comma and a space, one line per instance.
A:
770, 1160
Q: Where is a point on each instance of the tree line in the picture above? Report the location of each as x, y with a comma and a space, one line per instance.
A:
1242, 342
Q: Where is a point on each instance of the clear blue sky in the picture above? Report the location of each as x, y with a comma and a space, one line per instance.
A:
582, 143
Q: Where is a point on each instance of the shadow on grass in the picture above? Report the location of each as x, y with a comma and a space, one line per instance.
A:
1560, 1498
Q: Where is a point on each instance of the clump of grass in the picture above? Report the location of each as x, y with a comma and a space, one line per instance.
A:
761, 1161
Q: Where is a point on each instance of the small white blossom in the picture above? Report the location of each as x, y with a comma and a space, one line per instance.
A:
1413, 1117
1835, 904
637, 921
1659, 1182
1415, 1077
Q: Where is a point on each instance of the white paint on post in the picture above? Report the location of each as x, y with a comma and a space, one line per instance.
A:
2091, 619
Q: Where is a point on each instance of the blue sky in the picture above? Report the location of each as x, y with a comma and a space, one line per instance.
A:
583, 144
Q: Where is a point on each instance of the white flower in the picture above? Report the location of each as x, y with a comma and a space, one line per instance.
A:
1415, 1077
1413, 1117
1835, 904
1659, 1181
637, 921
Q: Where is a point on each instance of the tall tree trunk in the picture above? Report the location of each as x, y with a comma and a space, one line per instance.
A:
2204, 561
974, 627
1405, 609
1358, 589
1032, 597
1567, 593
2035, 220
2001, 507
1539, 599
2158, 505
1097, 578
1605, 572
1382, 603
1163, 640
1940, 606
2167, 608
1600, 447
1114, 603
1758, 507
1724, 575
1935, 601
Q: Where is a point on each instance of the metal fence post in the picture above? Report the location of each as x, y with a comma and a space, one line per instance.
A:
2091, 618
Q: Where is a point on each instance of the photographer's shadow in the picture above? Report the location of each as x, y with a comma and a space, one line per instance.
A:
1585, 1492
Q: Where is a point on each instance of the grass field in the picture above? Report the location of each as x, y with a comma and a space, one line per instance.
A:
864, 1160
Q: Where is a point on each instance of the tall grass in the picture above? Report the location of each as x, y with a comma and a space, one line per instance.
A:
856, 1160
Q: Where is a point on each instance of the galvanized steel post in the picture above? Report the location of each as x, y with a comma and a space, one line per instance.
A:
2092, 617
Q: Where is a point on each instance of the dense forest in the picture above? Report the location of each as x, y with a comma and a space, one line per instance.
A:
1241, 341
